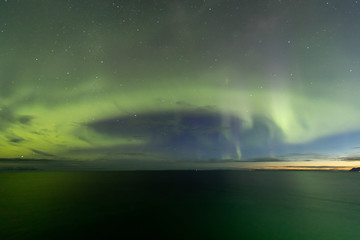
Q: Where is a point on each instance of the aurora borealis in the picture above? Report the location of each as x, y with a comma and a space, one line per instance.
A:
139, 84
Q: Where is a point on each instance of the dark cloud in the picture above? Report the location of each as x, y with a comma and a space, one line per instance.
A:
184, 104
25, 119
117, 151
350, 158
6, 117
37, 133
20, 160
20, 164
193, 134
17, 168
42, 153
265, 159
304, 156
317, 167
16, 140
159, 123
182, 134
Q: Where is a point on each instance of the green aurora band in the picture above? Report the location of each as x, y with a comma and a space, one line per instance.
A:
67, 65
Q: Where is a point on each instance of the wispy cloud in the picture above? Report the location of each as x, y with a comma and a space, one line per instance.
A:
305, 157
42, 153
350, 158
265, 159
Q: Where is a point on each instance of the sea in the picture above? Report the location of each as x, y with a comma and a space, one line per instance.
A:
180, 205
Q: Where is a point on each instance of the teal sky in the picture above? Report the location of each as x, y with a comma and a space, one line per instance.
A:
179, 84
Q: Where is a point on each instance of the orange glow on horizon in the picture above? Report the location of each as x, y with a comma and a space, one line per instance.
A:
306, 165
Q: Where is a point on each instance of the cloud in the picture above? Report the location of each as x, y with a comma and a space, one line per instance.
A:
25, 119
172, 122
9, 117
304, 157
262, 159
20, 164
316, 167
184, 104
197, 134
350, 158
265, 159
28, 160
42, 153
15, 139
6, 117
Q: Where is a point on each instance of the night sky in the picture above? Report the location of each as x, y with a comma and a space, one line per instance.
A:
180, 84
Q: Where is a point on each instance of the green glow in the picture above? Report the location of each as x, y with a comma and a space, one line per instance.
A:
64, 76
297, 116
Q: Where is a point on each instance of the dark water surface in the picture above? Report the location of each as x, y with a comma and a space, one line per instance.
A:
180, 205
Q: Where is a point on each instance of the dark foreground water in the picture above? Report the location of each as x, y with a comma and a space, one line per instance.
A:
180, 205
